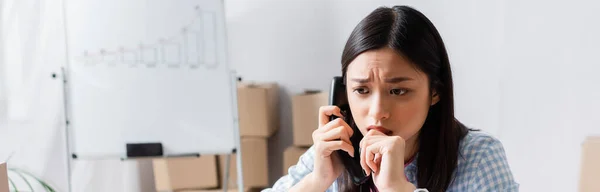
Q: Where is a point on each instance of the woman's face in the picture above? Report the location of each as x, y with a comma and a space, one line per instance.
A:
387, 93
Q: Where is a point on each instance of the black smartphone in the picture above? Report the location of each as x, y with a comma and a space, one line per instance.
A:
339, 98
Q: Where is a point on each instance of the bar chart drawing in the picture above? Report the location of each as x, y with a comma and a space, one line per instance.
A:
193, 45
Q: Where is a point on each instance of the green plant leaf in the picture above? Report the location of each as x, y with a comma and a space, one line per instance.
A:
26, 181
13, 184
44, 184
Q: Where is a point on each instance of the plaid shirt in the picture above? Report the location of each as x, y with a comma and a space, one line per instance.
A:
482, 167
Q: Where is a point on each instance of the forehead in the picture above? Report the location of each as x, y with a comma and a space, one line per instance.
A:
382, 62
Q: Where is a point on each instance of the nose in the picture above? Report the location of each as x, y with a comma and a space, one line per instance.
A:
378, 110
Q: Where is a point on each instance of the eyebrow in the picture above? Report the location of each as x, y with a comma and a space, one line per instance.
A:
387, 80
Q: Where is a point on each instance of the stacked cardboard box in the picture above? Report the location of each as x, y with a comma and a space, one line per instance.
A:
305, 119
257, 108
590, 165
258, 120
3, 177
185, 173
254, 162
305, 115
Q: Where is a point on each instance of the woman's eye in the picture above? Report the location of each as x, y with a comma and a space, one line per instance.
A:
361, 90
398, 91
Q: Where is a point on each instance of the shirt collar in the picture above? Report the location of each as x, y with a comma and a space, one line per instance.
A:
410, 169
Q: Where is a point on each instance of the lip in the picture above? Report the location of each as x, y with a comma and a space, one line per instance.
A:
380, 129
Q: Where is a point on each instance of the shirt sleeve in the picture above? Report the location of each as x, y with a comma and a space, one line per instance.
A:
492, 171
295, 172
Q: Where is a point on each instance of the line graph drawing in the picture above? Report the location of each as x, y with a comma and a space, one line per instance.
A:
193, 45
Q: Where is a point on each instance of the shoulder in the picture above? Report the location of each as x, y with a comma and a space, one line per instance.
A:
478, 143
482, 164
478, 149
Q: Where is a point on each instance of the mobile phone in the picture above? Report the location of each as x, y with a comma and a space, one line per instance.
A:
339, 98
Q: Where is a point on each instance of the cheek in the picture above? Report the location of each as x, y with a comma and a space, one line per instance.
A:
360, 111
410, 117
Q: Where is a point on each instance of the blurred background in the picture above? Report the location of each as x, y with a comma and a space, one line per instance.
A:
526, 72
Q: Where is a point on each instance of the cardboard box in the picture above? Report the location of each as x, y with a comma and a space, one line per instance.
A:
3, 177
291, 156
590, 165
254, 162
305, 115
185, 173
257, 109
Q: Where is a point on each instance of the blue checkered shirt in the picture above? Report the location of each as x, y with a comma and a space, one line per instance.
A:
482, 167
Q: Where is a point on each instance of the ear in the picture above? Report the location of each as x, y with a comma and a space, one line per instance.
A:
435, 97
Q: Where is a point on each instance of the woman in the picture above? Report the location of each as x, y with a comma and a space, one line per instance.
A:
399, 89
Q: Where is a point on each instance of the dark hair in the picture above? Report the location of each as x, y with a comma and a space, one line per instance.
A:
412, 35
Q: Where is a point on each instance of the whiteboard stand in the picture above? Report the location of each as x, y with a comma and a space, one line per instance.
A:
240, 181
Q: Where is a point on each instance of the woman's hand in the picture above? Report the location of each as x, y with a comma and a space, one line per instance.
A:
383, 156
329, 137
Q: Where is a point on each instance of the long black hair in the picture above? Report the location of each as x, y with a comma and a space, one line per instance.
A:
412, 35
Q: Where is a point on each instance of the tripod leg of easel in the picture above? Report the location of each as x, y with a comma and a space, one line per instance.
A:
227, 165
240, 175
237, 137
63, 74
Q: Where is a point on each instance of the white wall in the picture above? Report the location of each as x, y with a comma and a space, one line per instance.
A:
32, 31
550, 96
524, 71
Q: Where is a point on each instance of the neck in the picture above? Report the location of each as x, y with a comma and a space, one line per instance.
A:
411, 148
